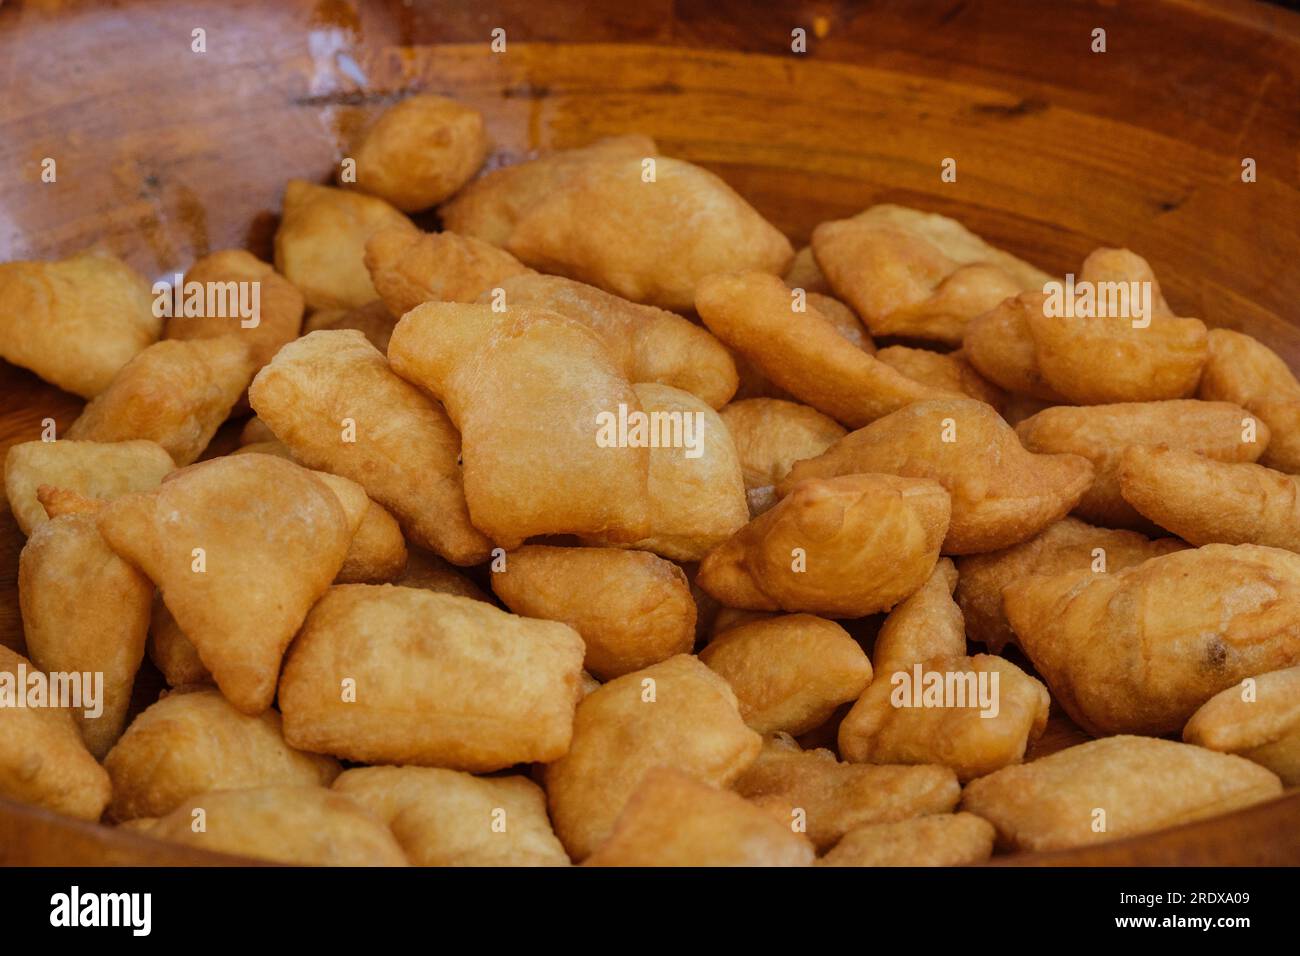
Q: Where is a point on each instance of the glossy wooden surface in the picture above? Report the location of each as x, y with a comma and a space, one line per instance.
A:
165, 154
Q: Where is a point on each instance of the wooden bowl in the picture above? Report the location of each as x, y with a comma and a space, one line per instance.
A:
164, 154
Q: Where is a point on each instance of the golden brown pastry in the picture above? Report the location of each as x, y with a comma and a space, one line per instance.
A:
941, 839
643, 614
1139, 650
673, 819
385, 674
1246, 372
76, 321
419, 151
451, 818
1258, 719
174, 393
409, 268
192, 741
770, 435
840, 547
332, 398
1117, 787
677, 714
241, 548
789, 673
1001, 493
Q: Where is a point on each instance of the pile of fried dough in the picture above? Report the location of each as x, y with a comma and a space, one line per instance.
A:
423, 614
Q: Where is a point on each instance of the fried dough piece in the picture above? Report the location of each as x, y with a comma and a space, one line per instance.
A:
372, 320
172, 652
489, 207
321, 244
1099, 360
426, 570
1069, 545
405, 452
273, 536
677, 714
696, 490
838, 797
770, 435
1111, 788
1001, 493
301, 826
192, 741
377, 552
419, 151
789, 673
43, 761
174, 393
86, 611
410, 268
672, 819
652, 345
541, 468
842, 547
927, 625
279, 315
801, 352
845, 321
384, 674
1263, 725
1204, 501
940, 839
76, 321
1245, 371
804, 273
948, 372
644, 613
1139, 650
650, 242
95, 469
917, 274
999, 347
985, 713
1101, 433
451, 818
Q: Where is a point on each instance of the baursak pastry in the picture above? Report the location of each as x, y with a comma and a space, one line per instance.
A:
332, 398
1102, 433
488, 208
645, 615
1137, 651
43, 761
175, 393
100, 470
611, 226
1001, 493
192, 741
1068, 545
940, 839
1245, 371
673, 819
838, 547
676, 714
1258, 719
321, 244
541, 469
802, 352
652, 345
419, 151
84, 610
451, 818
386, 674
1204, 501
241, 547
76, 321
1112, 788
408, 268
917, 274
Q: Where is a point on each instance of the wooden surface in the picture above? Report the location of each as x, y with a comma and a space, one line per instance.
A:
164, 155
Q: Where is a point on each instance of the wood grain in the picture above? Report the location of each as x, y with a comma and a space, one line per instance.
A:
165, 154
